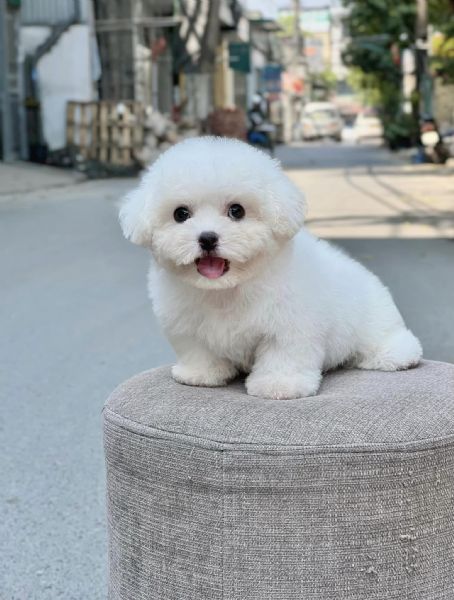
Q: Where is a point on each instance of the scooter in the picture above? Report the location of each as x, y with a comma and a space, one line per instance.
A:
261, 132
262, 136
435, 149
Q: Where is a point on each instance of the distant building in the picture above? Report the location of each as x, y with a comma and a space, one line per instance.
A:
188, 56
323, 31
339, 40
135, 39
60, 63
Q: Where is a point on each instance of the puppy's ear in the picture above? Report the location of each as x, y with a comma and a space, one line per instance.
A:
133, 218
290, 208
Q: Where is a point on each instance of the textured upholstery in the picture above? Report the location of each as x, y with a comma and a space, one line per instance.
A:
348, 495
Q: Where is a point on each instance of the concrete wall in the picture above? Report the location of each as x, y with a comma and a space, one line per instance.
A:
32, 36
198, 90
66, 72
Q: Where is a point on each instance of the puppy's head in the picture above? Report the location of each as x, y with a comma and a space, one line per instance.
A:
213, 211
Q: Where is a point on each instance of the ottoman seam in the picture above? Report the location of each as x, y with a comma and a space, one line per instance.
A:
418, 445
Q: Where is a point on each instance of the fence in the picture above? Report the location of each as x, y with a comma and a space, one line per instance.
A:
107, 132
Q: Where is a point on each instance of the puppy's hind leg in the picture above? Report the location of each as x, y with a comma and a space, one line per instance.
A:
398, 351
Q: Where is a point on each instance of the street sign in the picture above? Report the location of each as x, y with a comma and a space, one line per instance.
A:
315, 21
239, 56
271, 78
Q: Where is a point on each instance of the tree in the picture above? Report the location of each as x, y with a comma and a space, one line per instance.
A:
441, 16
379, 30
323, 84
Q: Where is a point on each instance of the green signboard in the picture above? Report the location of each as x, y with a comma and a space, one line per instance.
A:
240, 57
13, 3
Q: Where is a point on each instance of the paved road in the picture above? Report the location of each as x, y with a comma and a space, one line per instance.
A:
75, 321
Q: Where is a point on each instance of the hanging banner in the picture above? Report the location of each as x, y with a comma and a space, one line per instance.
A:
239, 56
271, 79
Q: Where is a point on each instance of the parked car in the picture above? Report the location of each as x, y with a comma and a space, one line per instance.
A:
367, 126
319, 120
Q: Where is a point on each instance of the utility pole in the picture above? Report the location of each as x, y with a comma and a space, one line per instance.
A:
5, 93
421, 19
424, 83
13, 127
297, 35
291, 101
211, 38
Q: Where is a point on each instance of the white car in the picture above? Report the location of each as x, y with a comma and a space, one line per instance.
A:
367, 126
319, 120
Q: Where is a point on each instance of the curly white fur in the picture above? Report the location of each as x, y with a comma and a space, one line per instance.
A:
289, 307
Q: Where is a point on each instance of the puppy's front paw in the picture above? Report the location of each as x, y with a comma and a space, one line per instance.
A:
283, 387
212, 376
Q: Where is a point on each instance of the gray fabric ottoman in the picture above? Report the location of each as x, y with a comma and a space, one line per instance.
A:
348, 495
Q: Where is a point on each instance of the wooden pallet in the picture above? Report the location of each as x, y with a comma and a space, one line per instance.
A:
108, 132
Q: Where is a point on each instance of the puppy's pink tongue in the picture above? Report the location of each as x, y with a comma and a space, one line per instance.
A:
211, 266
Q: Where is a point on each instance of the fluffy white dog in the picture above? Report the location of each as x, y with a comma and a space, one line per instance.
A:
238, 286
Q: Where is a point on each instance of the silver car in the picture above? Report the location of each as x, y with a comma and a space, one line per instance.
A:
367, 126
321, 120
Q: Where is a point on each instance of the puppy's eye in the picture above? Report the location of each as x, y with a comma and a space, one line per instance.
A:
181, 214
236, 212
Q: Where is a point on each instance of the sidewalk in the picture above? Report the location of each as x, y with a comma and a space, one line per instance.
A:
23, 177
407, 155
368, 192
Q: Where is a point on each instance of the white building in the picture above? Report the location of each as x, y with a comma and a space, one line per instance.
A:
59, 52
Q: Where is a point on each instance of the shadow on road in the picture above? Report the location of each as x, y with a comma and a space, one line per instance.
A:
407, 208
409, 199
332, 155
441, 220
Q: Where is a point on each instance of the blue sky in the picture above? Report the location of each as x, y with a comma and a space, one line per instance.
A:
269, 8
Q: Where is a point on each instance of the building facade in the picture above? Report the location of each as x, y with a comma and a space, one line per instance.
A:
186, 56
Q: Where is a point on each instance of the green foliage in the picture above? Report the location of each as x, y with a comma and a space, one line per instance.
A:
376, 27
379, 30
365, 86
287, 23
441, 16
323, 84
401, 131
442, 61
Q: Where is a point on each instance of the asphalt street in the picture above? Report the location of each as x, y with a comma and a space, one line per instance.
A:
75, 321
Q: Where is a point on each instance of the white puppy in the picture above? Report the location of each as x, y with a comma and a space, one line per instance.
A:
239, 287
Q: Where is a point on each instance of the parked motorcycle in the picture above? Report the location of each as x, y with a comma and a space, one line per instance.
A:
260, 132
435, 149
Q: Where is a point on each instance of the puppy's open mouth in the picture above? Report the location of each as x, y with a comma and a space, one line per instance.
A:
212, 267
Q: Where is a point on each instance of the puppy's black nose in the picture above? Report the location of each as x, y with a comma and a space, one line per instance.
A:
208, 240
